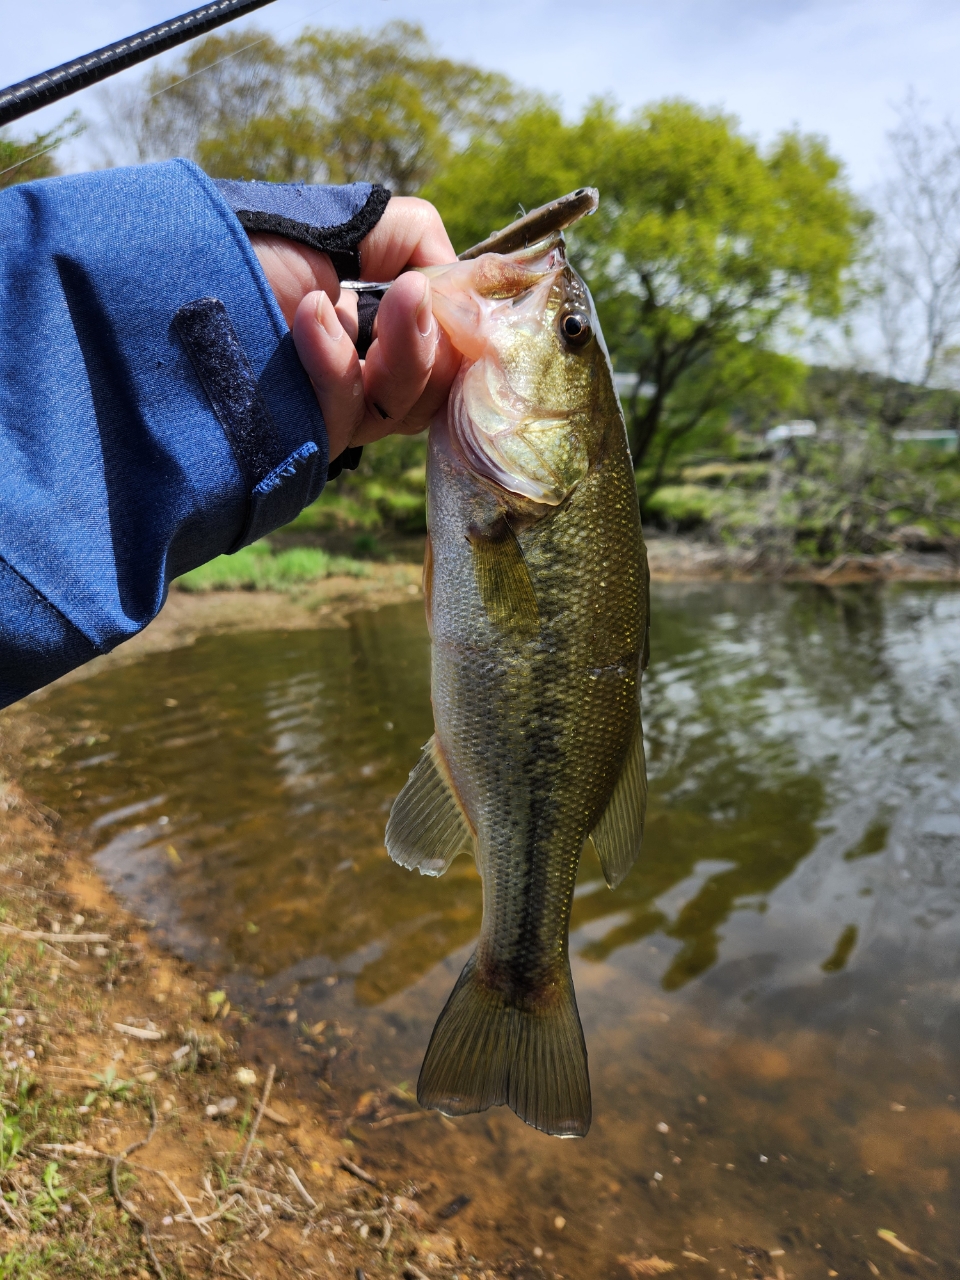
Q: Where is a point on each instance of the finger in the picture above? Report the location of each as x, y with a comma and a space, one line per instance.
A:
347, 312
410, 234
399, 363
446, 363
293, 270
333, 366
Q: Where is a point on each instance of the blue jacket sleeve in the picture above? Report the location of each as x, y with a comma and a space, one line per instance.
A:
153, 412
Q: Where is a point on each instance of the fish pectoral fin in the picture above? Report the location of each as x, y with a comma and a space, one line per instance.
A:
619, 833
427, 827
503, 579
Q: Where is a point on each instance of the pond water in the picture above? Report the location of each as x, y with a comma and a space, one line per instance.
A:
771, 1000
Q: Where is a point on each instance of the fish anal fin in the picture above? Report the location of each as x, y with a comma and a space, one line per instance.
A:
503, 579
427, 827
619, 833
486, 1052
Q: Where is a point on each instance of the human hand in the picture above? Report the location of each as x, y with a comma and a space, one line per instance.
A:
409, 368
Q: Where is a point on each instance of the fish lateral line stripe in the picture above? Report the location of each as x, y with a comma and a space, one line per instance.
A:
539, 604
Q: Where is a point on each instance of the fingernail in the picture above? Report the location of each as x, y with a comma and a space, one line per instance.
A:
425, 320
328, 319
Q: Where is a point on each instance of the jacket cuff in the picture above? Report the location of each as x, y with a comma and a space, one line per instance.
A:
331, 219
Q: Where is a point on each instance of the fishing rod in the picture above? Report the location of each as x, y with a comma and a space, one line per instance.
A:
19, 100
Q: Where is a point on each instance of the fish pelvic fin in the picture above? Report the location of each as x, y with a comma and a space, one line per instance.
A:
486, 1052
427, 582
427, 827
503, 579
619, 833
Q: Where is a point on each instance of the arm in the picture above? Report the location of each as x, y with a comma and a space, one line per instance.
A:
154, 412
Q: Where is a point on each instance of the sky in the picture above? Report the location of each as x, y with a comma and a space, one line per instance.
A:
834, 67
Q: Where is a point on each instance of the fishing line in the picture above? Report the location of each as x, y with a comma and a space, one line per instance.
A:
35, 156
227, 56
313, 12
209, 67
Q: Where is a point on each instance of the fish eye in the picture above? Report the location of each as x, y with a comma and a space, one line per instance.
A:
576, 328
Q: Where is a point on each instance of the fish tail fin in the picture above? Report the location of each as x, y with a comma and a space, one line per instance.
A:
486, 1052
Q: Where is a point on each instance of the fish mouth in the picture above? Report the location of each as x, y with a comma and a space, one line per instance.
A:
509, 424
465, 294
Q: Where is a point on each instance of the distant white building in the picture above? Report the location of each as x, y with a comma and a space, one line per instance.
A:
943, 439
794, 430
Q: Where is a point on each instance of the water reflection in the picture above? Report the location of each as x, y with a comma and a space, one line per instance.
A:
787, 947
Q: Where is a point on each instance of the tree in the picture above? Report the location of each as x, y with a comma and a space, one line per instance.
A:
328, 107
917, 257
704, 249
34, 158
392, 111
530, 159
225, 105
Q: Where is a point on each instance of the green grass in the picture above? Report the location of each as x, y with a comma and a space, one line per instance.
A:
259, 568
689, 505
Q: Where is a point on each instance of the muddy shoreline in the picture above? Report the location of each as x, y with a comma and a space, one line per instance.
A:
135, 1090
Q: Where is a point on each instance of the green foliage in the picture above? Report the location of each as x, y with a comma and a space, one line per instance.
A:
330, 106
853, 491
110, 1085
687, 506
34, 158
703, 251
854, 395
12, 1138
392, 110
47, 1201
387, 491
258, 568
532, 158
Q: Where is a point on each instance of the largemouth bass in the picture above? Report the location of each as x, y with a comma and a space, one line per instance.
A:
536, 589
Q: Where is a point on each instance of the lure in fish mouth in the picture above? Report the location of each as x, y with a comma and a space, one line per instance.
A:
536, 589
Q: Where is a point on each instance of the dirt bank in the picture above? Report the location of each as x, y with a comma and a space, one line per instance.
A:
137, 1137
187, 615
675, 559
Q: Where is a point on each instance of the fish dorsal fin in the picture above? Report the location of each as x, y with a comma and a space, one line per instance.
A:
427, 828
503, 579
619, 833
